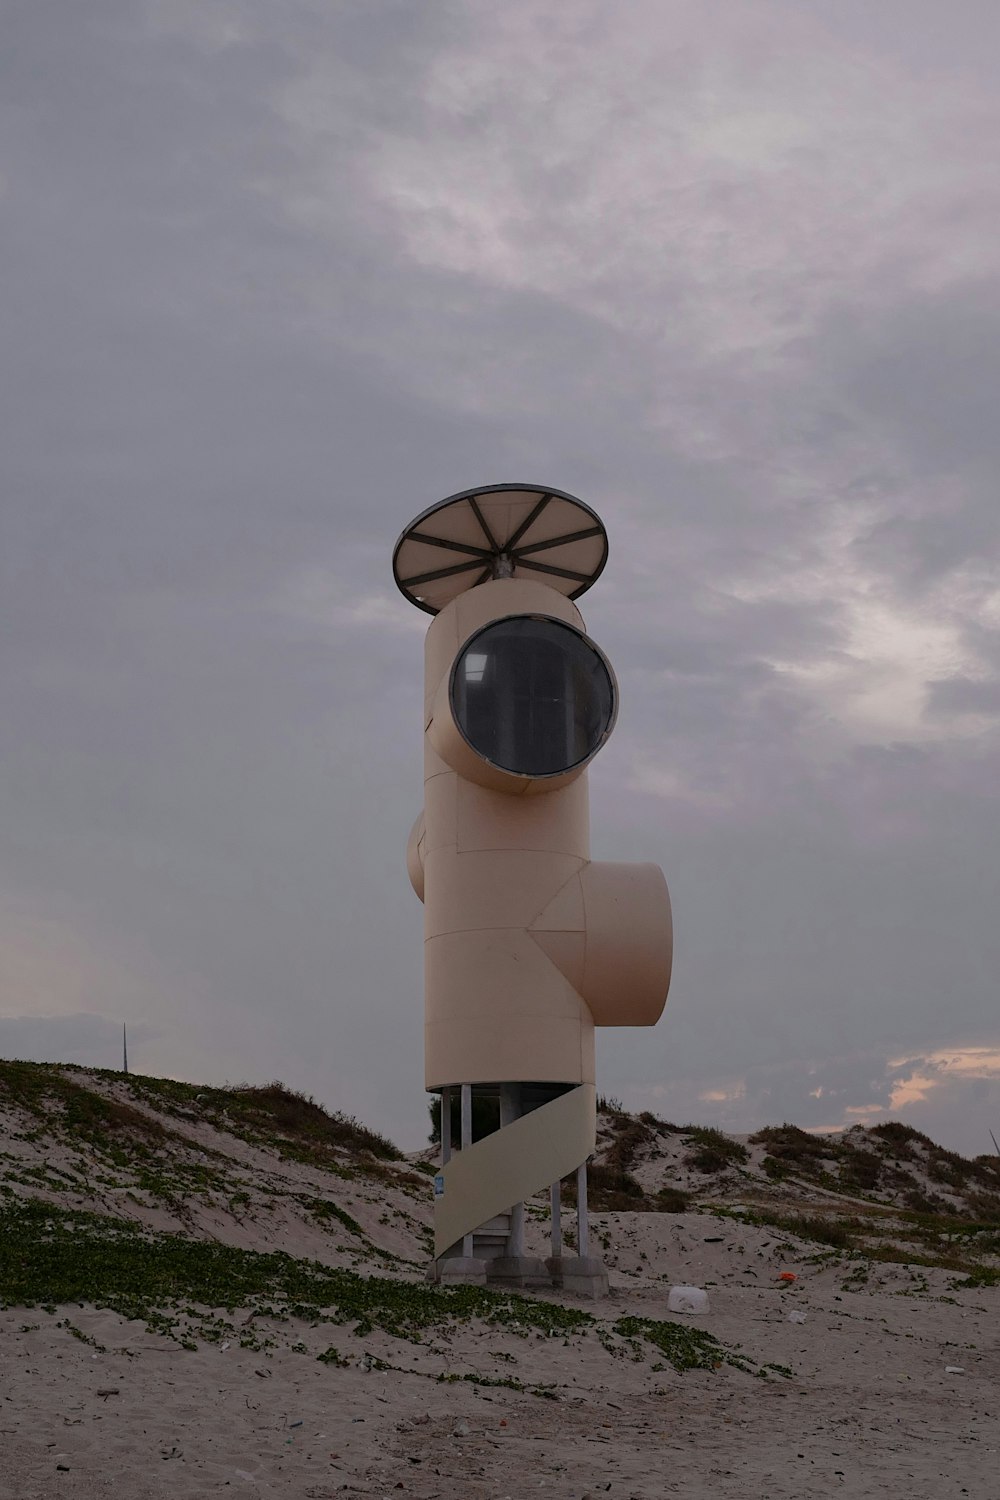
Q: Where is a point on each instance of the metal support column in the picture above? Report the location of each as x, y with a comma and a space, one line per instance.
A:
555, 1204
445, 1125
510, 1110
466, 1142
582, 1228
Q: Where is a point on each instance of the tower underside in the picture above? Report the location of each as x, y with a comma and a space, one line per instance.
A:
501, 1143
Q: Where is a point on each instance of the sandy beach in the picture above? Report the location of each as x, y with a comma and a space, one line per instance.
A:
870, 1409
861, 1376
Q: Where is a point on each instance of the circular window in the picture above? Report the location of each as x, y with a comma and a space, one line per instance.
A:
532, 695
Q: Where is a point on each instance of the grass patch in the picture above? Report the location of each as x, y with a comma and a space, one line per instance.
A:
816, 1228
712, 1150
981, 1276
788, 1144
112, 1130
129, 1139
661, 1127
820, 1230
307, 1131
51, 1256
682, 1347
325, 1209
178, 1286
629, 1138
899, 1137
671, 1200
609, 1190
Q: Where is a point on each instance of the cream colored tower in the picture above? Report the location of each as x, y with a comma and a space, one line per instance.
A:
529, 944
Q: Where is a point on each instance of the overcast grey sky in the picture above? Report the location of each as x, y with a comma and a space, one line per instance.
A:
277, 277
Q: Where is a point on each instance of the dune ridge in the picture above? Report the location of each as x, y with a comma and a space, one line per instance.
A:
221, 1290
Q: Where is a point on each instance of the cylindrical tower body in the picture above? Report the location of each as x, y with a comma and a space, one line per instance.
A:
497, 1007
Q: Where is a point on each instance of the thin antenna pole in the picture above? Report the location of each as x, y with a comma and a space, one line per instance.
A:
124, 1049
994, 1140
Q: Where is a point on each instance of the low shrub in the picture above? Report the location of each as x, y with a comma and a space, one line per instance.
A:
485, 1117
670, 1200
713, 1150
630, 1137
299, 1116
610, 1190
902, 1138
662, 1127
859, 1169
788, 1143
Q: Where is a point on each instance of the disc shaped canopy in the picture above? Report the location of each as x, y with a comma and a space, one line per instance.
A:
499, 531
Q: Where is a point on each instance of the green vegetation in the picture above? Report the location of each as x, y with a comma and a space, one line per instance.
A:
324, 1208
611, 1187
485, 1117
896, 1236
713, 1150
815, 1227
131, 1141
630, 1136
670, 1200
116, 1143
900, 1137
52, 1256
306, 1131
861, 1171
165, 1163
684, 1348
111, 1130
882, 1159
661, 1127
981, 1276
787, 1143
179, 1286
609, 1190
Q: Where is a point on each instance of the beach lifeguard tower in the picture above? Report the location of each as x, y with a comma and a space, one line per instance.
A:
529, 944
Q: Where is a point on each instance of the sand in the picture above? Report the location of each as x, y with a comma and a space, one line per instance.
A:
886, 1382
870, 1410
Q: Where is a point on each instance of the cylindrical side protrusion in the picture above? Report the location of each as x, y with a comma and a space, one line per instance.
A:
630, 943
609, 930
415, 856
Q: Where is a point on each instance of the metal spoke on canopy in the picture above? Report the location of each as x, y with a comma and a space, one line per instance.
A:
561, 541
537, 567
474, 507
528, 522
440, 541
408, 583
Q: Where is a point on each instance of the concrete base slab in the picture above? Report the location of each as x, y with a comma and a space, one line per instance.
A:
518, 1271
458, 1270
580, 1275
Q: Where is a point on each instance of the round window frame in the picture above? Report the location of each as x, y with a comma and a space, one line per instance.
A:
534, 776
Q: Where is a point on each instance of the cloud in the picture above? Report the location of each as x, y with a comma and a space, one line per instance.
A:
952, 1091
278, 281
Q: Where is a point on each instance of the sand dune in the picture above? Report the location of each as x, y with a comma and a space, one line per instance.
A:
331, 1369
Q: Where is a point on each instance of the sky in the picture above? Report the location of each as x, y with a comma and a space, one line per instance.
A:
277, 278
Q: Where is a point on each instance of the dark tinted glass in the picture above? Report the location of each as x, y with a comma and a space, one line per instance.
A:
532, 696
